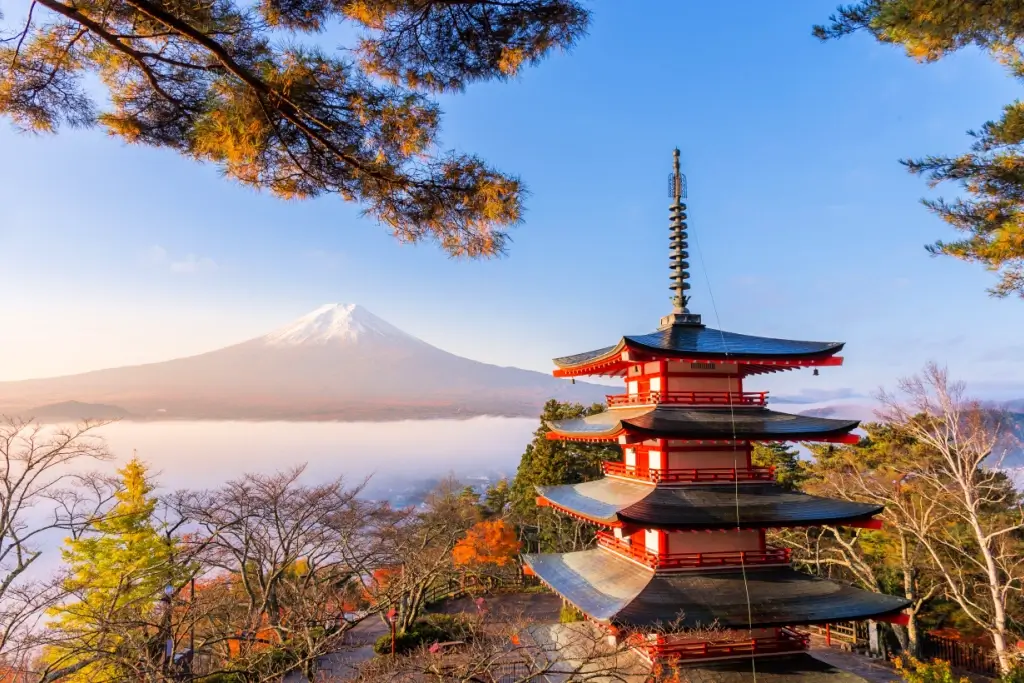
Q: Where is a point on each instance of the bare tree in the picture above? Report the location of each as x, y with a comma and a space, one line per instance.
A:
40, 493
282, 566
419, 546
887, 561
959, 507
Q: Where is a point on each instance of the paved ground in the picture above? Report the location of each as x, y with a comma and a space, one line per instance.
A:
871, 670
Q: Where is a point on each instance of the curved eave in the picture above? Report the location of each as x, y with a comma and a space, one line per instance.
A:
755, 354
614, 590
631, 425
614, 502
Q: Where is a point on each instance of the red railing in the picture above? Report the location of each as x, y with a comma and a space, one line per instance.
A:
688, 475
703, 398
725, 558
674, 647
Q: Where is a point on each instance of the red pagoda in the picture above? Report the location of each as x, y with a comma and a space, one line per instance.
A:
682, 518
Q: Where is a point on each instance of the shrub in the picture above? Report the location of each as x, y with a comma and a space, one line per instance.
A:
449, 626
569, 614
1015, 675
433, 628
936, 671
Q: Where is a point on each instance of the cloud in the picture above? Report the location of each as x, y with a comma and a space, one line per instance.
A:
189, 264
193, 264
817, 395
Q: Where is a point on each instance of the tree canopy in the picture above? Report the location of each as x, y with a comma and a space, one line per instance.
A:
991, 214
232, 83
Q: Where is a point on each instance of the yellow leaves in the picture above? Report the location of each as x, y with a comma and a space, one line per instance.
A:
913, 670
511, 59
370, 13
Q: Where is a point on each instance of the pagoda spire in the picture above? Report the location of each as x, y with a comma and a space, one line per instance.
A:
679, 267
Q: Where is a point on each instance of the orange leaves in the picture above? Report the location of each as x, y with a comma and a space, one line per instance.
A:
489, 542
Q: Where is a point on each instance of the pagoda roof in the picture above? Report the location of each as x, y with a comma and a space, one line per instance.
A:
698, 342
611, 589
795, 668
762, 505
674, 422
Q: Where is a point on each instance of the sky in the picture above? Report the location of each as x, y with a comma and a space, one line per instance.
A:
803, 224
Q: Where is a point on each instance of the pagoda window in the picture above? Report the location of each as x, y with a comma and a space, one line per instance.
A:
702, 366
629, 457
634, 387
656, 384
652, 540
654, 460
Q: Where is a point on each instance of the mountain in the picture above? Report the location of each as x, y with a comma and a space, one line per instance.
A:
74, 411
340, 362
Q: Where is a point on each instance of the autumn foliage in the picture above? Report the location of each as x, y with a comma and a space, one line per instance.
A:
487, 543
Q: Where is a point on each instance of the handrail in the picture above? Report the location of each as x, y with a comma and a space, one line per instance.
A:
783, 640
723, 558
689, 474
715, 398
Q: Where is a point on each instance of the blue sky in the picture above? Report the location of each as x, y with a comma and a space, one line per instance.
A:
807, 225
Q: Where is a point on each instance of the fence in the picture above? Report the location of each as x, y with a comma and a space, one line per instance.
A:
961, 655
450, 589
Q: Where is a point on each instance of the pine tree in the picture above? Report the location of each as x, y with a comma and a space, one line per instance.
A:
117, 573
992, 173
549, 463
789, 470
232, 83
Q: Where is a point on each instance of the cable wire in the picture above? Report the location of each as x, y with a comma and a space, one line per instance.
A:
736, 478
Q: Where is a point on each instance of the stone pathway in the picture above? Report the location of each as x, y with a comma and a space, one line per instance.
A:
869, 669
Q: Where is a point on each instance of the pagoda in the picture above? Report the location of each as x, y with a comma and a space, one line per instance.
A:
681, 562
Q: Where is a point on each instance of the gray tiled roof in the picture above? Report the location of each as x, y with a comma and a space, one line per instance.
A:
612, 589
702, 506
703, 423
697, 341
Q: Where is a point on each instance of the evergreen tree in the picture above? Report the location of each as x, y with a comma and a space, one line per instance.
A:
497, 499
992, 173
548, 463
789, 470
232, 83
117, 572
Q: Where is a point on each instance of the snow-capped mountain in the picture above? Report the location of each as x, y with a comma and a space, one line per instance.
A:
339, 362
337, 324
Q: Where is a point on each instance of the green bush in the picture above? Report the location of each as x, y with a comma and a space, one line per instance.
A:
433, 628
1016, 675
448, 627
569, 614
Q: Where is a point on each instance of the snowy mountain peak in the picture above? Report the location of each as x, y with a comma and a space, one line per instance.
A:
333, 323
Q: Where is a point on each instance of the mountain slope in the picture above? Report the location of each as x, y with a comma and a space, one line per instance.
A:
338, 362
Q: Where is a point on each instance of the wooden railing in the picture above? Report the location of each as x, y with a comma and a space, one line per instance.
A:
688, 475
960, 655
725, 558
669, 647
694, 398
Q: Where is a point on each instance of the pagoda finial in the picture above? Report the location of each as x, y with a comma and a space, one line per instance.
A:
679, 268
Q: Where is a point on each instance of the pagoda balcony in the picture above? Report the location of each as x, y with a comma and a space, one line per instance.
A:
689, 475
672, 647
673, 561
689, 398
